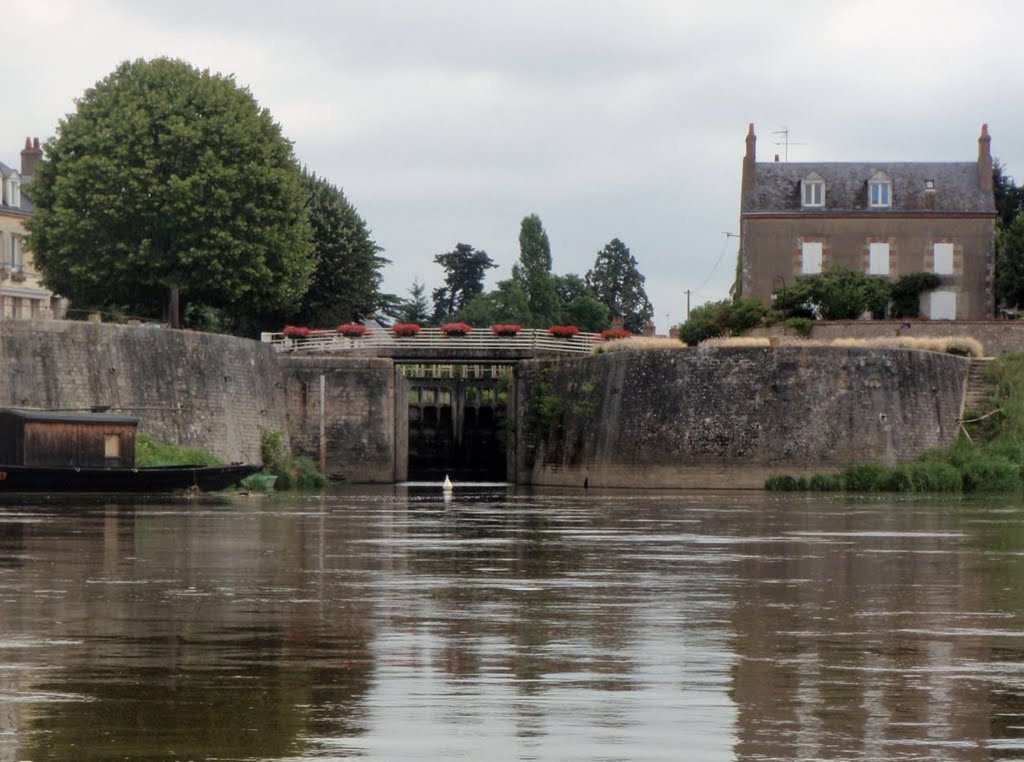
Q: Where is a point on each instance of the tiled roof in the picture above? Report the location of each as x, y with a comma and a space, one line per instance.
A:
26, 202
777, 187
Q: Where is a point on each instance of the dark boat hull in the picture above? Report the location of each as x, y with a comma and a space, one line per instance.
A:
136, 480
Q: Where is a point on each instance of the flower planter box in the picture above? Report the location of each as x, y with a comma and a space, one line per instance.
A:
563, 331
456, 329
506, 330
353, 330
405, 330
611, 334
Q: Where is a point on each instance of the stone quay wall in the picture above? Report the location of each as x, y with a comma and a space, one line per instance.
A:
196, 389
359, 419
730, 417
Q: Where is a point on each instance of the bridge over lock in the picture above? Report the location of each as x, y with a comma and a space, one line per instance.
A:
452, 394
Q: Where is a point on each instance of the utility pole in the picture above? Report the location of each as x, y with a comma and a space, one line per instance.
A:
687, 304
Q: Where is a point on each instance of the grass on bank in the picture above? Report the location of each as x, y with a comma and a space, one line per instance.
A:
987, 457
292, 472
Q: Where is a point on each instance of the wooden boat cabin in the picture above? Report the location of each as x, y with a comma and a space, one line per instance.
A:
85, 440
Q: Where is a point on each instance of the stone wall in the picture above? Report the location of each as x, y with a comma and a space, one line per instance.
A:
359, 414
729, 417
197, 389
997, 336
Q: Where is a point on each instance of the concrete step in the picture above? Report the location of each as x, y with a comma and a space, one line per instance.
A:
980, 388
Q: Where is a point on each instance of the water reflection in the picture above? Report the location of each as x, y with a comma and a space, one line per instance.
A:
391, 624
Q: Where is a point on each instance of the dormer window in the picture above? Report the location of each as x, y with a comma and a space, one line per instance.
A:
812, 190
880, 190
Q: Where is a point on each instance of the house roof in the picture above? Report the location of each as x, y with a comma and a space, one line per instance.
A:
58, 416
26, 203
956, 189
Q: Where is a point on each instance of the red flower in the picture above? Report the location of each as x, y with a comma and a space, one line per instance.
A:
295, 332
499, 329
405, 329
615, 333
563, 331
456, 329
353, 330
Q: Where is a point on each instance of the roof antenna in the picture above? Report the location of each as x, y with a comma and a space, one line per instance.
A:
785, 142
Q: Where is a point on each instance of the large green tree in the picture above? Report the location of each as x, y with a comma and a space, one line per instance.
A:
169, 180
1009, 197
346, 283
617, 283
464, 271
415, 309
837, 293
532, 273
1010, 264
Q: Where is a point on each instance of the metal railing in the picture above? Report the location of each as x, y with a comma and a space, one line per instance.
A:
479, 340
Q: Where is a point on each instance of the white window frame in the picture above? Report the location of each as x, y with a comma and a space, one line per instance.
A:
942, 258
880, 194
878, 254
812, 193
811, 255
17, 255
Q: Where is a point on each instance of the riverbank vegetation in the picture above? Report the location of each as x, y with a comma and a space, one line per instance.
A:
150, 453
292, 471
988, 456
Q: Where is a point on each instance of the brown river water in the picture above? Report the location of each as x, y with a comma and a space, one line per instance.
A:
390, 624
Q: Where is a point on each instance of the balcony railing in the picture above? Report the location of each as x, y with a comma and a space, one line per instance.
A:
479, 340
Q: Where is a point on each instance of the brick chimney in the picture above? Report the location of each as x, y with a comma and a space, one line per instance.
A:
985, 160
30, 156
749, 160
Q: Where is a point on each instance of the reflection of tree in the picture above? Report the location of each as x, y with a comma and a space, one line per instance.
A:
188, 639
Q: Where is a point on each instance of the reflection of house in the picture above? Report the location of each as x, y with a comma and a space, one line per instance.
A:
887, 219
21, 294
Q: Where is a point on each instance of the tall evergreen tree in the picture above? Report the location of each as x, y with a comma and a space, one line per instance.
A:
346, 284
465, 268
415, 309
618, 284
1009, 196
533, 273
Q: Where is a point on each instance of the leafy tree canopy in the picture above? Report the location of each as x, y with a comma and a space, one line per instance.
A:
586, 313
618, 284
532, 273
169, 180
464, 268
505, 304
1010, 264
346, 284
724, 318
835, 294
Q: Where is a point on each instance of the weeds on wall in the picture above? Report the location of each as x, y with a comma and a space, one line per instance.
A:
292, 471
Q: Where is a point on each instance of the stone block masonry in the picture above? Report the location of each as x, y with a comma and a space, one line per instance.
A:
196, 389
730, 417
359, 414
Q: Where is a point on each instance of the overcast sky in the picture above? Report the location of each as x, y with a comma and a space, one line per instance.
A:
449, 121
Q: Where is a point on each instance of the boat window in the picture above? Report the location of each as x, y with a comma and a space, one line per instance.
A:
112, 446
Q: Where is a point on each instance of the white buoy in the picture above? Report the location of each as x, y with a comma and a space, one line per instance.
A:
447, 484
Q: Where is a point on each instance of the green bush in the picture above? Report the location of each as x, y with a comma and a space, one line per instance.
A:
990, 474
897, 480
292, 471
865, 477
785, 483
727, 317
934, 477
826, 483
801, 326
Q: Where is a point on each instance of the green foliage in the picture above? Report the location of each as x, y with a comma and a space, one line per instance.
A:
906, 293
346, 283
532, 274
617, 283
505, 304
990, 474
415, 309
170, 180
292, 472
586, 313
149, 453
1010, 263
801, 326
825, 483
835, 294
465, 268
1009, 197
865, 477
786, 483
727, 317
934, 477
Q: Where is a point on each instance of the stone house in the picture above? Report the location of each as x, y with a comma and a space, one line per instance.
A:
883, 218
22, 295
